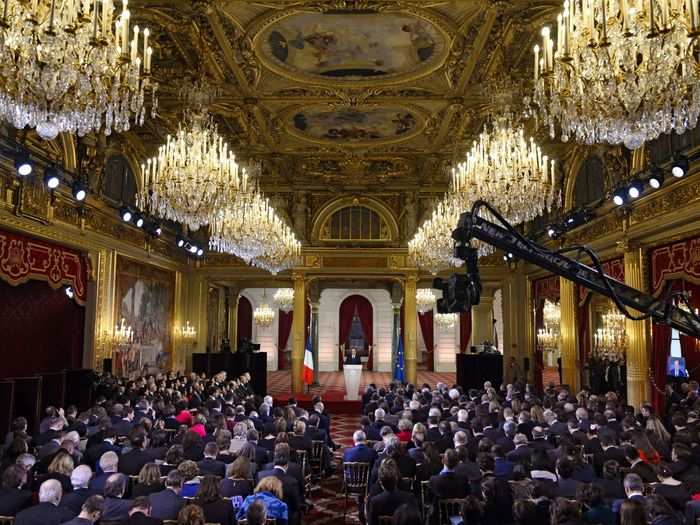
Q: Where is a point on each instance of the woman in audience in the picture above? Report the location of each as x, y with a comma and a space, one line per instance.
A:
223, 442
658, 436
611, 483
565, 512
148, 481
248, 452
191, 515
647, 452
216, 509
674, 491
595, 509
239, 438
632, 512
269, 492
189, 471
199, 426
237, 483
659, 511
60, 469
173, 457
405, 427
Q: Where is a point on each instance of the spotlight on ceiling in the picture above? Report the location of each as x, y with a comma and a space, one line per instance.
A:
193, 249
553, 231
139, 220
51, 178
156, 229
200, 252
656, 179
635, 189
679, 167
180, 242
79, 190
619, 197
23, 164
125, 214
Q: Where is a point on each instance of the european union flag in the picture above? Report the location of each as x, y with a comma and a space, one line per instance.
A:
399, 364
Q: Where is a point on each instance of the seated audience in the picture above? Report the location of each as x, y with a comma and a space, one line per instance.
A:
390, 498
48, 511
80, 479
216, 509
140, 513
90, 511
166, 504
13, 496
148, 481
115, 508
269, 492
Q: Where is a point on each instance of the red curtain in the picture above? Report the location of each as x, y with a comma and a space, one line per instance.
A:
426, 328
690, 347
346, 313
244, 324
41, 323
284, 329
465, 330
660, 346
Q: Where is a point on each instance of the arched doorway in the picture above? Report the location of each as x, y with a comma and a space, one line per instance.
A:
244, 324
355, 327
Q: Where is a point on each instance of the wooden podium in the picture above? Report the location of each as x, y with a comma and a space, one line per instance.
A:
235, 364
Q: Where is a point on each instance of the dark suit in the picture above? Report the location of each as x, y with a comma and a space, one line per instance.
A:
14, 500
229, 488
297, 442
165, 504
644, 471
97, 485
290, 490
360, 453
566, 488
74, 500
618, 503
213, 467
220, 511
448, 485
93, 454
385, 503
122, 427
116, 509
133, 461
520, 454
294, 470
139, 518
350, 360
43, 514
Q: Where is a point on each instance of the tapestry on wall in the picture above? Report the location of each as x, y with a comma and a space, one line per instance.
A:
145, 302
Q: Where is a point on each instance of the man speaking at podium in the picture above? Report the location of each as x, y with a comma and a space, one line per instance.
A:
353, 357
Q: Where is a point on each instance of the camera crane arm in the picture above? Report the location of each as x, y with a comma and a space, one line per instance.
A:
662, 310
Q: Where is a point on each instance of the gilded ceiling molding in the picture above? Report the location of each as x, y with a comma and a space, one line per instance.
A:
324, 213
574, 161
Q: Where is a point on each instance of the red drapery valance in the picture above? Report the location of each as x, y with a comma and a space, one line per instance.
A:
465, 330
365, 312
25, 258
426, 328
244, 320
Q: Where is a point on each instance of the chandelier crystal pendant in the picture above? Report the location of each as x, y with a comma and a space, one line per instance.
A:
263, 314
73, 66
622, 71
284, 299
425, 300
548, 337
610, 342
194, 177
508, 171
446, 321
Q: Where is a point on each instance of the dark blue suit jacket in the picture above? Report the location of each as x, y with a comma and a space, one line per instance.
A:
618, 502
360, 453
165, 504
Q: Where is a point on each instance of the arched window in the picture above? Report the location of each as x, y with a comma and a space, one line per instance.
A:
355, 223
590, 182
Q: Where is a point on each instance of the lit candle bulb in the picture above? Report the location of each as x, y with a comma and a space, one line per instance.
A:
134, 44
537, 62
147, 66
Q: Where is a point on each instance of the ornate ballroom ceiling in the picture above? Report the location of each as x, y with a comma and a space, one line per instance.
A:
341, 95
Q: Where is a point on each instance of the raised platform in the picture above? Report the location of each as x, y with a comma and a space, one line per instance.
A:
332, 388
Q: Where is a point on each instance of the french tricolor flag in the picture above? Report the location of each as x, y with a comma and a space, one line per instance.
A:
308, 363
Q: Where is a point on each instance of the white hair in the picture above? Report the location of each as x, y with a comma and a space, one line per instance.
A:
319, 407
50, 492
72, 436
434, 412
80, 477
462, 415
581, 413
414, 404
359, 437
453, 393
109, 461
460, 438
268, 400
379, 414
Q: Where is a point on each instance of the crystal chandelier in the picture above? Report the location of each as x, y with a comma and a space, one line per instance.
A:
623, 71
508, 171
187, 333
610, 341
446, 321
250, 228
425, 300
284, 299
71, 66
548, 337
194, 177
263, 314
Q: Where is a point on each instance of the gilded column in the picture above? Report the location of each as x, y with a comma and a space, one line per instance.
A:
298, 332
410, 320
482, 319
233, 295
106, 304
314, 303
569, 348
396, 298
638, 332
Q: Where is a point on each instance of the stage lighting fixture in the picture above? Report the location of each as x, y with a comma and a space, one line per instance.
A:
125, 214
200, 252
188, 246
180, 242
139, 220
79, 190
193, 249
51, 178
679, 167
635, 189
619, 197
23, 164
157, 229
552, 231
656, 179
69, 292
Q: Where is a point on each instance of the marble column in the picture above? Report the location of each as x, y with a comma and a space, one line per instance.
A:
298, 332
410, 328
482, 319
638, 332
571, 375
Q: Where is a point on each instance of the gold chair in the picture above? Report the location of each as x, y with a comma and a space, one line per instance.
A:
316, 460
7, 520
424, 487
407, 484
303, 462
449, 507
355, 482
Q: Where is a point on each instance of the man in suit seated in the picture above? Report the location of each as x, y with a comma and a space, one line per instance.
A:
639, 467
140, 513
522, 452
447, 484
80, 479
290, 486
391, 498
566, 486
634, 489
47, 512
90, 511
261, 453
211, 465
13, 498
115, 507
133, 461
360, 453
293, 468
299, 440
314, 433
95, 452
353, 358
166, 504
108, 464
